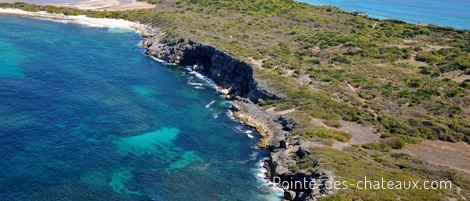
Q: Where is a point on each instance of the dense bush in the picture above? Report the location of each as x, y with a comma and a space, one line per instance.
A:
326, 63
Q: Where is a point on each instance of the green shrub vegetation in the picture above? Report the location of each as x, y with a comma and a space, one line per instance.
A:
321, 132
332, 65
386, 145
353, 164
352, 67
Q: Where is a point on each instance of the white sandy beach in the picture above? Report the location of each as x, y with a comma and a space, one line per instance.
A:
79, 19
110, 5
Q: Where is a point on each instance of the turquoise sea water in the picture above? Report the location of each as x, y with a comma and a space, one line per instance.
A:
84, 115
453, 13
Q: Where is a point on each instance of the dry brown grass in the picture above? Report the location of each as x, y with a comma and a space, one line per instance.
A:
453, 155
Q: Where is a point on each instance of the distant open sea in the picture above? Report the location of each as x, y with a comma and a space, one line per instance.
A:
85, 115
453, 13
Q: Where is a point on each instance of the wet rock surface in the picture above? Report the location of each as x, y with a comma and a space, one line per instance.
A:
235, 80
225, 70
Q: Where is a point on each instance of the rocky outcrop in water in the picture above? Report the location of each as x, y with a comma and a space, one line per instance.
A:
235, 80
302, 184
266, 124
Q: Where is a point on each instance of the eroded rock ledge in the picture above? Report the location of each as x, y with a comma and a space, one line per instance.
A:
235, 79
226, 71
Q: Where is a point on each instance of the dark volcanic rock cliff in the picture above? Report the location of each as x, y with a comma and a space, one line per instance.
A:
235, 79
226, 71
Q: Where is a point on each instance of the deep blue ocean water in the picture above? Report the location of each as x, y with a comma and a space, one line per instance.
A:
453, 13
85, 115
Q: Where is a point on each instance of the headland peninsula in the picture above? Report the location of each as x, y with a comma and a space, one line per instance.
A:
337, 97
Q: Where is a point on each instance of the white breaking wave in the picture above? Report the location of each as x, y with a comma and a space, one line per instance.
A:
202, 77
240, 128
272, 191
249, 133
230, 114
53, 20
254, 155
195, 83
208, 105
78, 19
163, 61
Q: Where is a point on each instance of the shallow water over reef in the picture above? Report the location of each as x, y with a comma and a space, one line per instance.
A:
84, 115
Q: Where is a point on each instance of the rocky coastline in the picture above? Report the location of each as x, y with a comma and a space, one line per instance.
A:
235, 79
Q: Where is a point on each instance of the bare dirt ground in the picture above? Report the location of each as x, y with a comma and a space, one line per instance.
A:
461, 78
272, 110
258, 63
436, 47
360, 134
453, 155
457, 76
